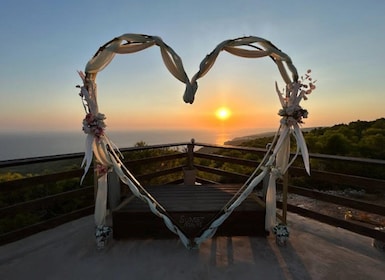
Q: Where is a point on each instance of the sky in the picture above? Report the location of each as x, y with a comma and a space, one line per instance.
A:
45, 43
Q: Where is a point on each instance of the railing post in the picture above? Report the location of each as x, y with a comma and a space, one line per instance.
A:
113, 183
265, 185
189, 172
190, 154
113, 188
95, 180
285, 184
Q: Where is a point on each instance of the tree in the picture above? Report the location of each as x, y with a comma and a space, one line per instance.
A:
336, 144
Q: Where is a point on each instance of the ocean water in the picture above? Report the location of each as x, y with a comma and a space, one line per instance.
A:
18, 145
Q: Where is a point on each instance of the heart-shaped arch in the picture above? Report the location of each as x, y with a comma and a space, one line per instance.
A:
275, 163
131, 43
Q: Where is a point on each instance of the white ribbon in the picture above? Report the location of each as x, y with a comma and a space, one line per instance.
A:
290, 103
101, 202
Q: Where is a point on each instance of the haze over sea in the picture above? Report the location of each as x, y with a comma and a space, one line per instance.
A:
16, 145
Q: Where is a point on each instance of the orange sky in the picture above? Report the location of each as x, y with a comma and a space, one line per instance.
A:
136, 91
248, 110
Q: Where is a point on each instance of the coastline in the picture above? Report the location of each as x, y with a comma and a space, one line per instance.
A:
239, 140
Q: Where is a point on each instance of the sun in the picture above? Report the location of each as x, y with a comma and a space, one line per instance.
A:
223, 113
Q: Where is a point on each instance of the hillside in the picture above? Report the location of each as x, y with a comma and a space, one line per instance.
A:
239, 140
357, 139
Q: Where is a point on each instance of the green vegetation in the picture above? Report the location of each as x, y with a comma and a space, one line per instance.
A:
364, 139
23, 191
155, 163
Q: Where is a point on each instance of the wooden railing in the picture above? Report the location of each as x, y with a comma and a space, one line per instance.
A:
47, 194
30, 204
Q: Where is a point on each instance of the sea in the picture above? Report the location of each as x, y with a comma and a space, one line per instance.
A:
17, 145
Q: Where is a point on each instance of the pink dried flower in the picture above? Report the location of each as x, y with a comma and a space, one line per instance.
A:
89, 118
94, 124
308, 86
101, 170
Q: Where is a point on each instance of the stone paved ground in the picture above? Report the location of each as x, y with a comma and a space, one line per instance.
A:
314, 251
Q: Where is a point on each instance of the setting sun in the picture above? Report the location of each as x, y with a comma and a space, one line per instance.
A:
223, 113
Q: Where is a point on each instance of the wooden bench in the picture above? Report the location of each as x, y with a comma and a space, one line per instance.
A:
192, 208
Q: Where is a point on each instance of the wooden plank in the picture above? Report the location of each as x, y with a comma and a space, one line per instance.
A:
339, 178
28, 182
44, 159
350, 225
340, 200
47, 224
216, 171
192, 208
226, 159
160, 173
45, 202
190, 198
147, 160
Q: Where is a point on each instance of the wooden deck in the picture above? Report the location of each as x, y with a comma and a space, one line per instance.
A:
192, 208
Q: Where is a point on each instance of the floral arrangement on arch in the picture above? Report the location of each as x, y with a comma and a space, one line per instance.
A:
94, 124
290, 98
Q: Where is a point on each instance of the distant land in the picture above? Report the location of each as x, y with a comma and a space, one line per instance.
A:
239, 140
